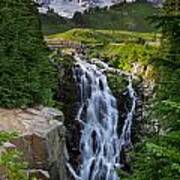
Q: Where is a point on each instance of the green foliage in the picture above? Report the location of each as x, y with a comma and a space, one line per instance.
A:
15, 168
159, 157
26, 76
155, 159
11, 160
100, 37
52, 23
6, 136
168, 20
170, 24
124, 55
126, 16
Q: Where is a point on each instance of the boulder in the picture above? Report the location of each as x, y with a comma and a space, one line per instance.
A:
41, 139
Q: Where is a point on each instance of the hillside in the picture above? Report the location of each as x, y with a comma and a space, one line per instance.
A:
131, 17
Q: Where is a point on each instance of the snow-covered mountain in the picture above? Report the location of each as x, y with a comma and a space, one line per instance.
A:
67, 8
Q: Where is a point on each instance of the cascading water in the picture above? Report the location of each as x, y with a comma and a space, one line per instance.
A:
100, 145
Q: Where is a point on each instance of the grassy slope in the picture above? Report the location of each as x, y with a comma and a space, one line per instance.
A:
120, 47
130, 17
91, 36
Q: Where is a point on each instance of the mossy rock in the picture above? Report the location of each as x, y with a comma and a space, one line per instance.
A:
118, 84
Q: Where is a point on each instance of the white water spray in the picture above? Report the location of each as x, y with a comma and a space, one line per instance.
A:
100, 145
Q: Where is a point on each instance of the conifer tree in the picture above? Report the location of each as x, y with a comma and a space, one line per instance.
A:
169, 21
158, 157
26, 77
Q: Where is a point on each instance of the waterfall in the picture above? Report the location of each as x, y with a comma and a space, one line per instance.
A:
100, 145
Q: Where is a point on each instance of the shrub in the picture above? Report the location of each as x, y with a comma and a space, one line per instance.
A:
11, 160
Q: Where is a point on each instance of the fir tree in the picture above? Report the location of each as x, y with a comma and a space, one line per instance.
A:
26, 77
169, 22
158, 157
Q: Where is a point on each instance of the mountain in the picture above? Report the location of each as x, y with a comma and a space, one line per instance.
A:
67, 8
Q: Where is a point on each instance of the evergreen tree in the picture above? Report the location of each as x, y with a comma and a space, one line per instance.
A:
26, 77
158, 157
169, 22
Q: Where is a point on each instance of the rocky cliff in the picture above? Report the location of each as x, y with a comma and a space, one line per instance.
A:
41, 139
